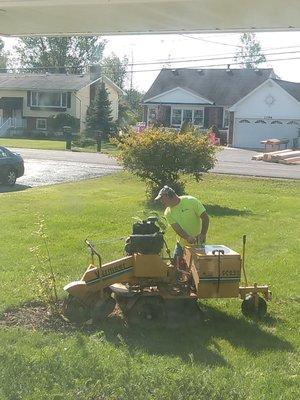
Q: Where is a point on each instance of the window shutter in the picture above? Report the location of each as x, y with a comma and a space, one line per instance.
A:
68, 100
28, 98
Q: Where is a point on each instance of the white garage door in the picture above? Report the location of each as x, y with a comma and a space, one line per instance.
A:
248, 132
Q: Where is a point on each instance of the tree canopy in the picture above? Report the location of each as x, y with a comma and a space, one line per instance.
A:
250, 54
3, 56
59, 54
115, 69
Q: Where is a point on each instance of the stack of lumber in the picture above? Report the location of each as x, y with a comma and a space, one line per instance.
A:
287, 156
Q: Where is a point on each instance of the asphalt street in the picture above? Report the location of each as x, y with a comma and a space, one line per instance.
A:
48, 167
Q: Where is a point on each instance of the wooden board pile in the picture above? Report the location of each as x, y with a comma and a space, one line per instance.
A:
287, 156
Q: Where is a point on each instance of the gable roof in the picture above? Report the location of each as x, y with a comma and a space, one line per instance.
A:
46, 81
222, 86
293, 88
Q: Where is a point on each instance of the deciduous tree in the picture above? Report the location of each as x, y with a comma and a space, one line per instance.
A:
115, 69
250, 54
3, 56
59, 54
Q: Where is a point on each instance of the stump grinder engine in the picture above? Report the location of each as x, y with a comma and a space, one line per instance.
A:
144, 283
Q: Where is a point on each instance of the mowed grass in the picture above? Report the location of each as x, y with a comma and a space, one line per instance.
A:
106, 147
224, 356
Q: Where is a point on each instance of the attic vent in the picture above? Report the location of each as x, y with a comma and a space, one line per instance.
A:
200, 71
258, 71
175, 72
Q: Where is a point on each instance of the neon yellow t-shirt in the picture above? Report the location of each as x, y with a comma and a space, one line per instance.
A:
186, 214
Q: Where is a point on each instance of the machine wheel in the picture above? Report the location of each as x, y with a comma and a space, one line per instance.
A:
102, 308
147, 309
76, 310
249, 309
11, 178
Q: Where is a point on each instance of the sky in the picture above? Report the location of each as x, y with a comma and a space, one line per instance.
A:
198, 51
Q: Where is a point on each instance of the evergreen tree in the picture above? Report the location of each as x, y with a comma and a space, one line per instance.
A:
250, 54
59, 54
99, 113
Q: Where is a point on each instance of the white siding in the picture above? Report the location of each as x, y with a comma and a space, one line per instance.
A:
268, 103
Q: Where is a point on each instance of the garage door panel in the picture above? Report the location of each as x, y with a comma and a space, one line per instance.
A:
249, 132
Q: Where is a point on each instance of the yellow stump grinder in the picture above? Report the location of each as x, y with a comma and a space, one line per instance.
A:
144, 281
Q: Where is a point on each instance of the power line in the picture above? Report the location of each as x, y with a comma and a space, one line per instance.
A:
104, 68
212, 58
217, 65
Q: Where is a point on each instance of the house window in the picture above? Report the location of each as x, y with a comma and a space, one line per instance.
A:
244, 121
41, 123
194, 116
49, 99
176, 116
199, 117
187, 116
260, 121
276, 122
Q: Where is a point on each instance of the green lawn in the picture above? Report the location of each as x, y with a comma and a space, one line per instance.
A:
224, 356
52, 145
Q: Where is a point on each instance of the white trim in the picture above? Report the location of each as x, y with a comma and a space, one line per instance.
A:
49, 91
186, 107
182, 89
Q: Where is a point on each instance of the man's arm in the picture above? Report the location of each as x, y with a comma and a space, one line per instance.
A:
180, 232
205, 224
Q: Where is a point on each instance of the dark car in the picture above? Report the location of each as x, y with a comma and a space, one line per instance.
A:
11, 166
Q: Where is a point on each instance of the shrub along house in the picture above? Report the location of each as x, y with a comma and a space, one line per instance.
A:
251, 104
27, 101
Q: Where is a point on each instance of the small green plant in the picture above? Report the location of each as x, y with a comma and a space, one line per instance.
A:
43, 271
161, 157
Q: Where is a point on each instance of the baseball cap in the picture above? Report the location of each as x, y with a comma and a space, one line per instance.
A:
165, 191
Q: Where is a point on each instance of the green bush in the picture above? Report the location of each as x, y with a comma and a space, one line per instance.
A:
58, 121
162, 157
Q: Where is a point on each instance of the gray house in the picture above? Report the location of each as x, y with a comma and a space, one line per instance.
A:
251, 104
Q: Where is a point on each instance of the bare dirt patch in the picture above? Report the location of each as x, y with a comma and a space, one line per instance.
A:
35, 316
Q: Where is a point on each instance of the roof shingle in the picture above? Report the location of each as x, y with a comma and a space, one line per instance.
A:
223, 87
10, 81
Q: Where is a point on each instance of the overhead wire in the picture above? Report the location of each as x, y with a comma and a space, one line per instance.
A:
103, 67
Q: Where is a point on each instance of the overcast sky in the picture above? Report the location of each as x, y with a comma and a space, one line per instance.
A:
202, 51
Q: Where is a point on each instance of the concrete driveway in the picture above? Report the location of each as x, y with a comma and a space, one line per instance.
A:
47, 167
238, 162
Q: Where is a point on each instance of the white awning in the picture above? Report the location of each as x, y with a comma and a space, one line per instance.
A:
68, 17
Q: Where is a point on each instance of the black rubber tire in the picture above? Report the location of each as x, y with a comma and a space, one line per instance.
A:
249, 309
11, 178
